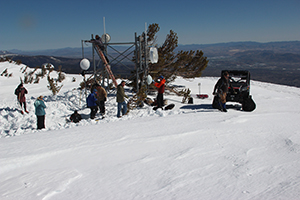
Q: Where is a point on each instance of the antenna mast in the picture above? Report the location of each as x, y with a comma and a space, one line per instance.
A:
104, 24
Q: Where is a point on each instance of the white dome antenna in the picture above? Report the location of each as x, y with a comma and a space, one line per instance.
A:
153, 55
85, 64
105, 38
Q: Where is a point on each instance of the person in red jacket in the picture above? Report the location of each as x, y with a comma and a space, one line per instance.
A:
160, 84
20, 92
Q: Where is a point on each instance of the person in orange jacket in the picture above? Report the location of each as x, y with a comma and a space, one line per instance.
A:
160, 84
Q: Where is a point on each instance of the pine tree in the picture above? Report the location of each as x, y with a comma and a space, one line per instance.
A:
61, 75
53, 86
188, 64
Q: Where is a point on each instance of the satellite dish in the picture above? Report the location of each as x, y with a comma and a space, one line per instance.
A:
105, 38
84, 64
149, 80
153, 55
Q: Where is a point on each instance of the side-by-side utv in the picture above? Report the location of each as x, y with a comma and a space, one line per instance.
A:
239, 90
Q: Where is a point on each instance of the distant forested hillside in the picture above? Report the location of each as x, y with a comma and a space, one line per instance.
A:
275, 62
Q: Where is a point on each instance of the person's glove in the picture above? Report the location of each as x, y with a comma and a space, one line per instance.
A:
104, 98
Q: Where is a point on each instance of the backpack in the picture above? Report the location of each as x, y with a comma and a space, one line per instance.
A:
17, 91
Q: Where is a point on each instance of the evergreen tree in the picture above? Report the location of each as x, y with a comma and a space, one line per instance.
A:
188, 64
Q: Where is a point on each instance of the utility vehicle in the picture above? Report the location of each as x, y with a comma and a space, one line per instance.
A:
239, 90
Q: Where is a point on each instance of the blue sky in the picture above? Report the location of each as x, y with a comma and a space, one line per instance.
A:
43, 24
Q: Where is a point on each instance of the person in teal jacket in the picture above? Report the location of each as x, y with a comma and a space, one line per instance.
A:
40, 112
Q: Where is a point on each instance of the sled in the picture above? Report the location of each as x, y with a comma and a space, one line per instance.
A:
202, 96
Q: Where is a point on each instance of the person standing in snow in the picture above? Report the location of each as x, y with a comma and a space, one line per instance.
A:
122, 106
91, 102
101, 98
20, 92
160, 84
221, 89
40, 112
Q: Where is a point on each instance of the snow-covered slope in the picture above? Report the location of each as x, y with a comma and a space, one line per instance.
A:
190, 152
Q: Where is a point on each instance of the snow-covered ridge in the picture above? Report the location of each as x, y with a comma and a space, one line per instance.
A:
190, 152
70, 98
59, 107
7, 55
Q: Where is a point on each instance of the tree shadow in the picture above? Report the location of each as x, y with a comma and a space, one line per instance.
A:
197, 107
208, 107
8, 109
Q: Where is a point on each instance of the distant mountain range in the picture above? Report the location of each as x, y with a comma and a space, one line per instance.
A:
64, 52
210, 50
275, 62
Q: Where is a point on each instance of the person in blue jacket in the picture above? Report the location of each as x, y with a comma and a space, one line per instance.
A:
91, 102
40, 112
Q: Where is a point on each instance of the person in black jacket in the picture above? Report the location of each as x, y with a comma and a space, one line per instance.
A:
75, 117
221, 89
99, 43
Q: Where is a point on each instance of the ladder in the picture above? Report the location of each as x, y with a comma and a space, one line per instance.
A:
107, 66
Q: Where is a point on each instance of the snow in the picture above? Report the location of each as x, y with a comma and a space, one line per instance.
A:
190, 152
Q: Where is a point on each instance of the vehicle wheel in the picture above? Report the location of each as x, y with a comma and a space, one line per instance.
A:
248, 104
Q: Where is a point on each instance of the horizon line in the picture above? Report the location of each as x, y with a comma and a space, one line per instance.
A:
178, 45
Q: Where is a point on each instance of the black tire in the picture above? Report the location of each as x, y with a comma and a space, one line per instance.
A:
248, 104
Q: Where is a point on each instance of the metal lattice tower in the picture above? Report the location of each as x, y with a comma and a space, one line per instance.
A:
138, 49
